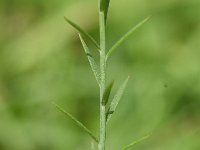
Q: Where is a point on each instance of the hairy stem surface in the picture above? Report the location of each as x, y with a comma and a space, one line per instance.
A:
102, 137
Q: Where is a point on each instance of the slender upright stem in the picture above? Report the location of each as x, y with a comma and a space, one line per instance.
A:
102, 137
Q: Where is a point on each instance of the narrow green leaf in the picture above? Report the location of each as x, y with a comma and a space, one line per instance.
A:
91, 60
116, 100
117, 44
131, 145
77, 122
106, 9
102, 5
106, 93
83, 32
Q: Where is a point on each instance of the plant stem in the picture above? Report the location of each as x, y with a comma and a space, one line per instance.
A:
102, 138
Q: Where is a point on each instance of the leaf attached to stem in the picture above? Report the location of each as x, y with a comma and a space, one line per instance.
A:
78, 123
116, 100
83, 32
91, 60
131, 145
123, 38
107, 92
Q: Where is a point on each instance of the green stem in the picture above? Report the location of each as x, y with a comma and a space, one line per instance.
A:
102, 137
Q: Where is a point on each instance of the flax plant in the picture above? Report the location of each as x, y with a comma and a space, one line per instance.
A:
106, 111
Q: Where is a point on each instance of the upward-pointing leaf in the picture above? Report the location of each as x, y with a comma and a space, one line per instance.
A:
77, 122
131, 145
106, 93
104, 6
91, 60
116, 100
113, 48
106, 9
83, 32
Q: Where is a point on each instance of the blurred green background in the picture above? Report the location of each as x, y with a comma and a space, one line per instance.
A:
41, 60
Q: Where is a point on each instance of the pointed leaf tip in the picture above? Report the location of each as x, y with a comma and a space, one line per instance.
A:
83, 32
91, 60
107, 92
78, 123
106, 9
104, 6
131, 145
116, 99
123, 38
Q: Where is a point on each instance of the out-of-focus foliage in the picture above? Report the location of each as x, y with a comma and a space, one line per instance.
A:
41, 60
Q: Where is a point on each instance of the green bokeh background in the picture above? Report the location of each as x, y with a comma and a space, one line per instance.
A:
41, 60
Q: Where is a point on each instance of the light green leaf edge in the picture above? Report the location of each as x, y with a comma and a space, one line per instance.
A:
91, 60
83, 32
131, 145
84, 128
107, 92
116, 100
123, 38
